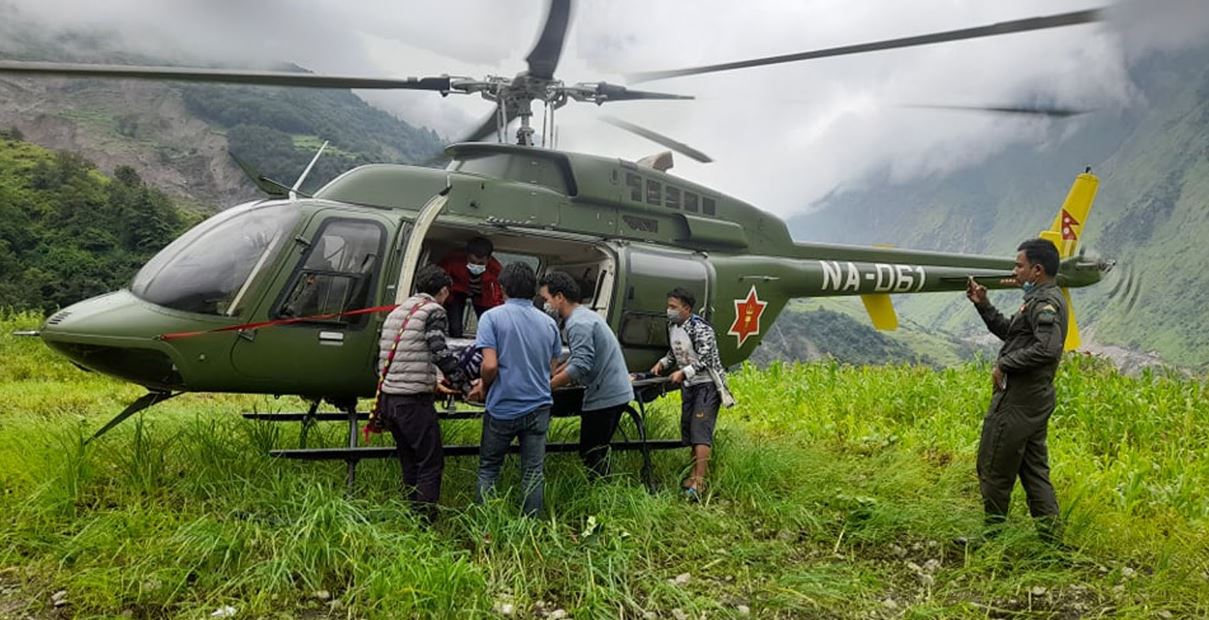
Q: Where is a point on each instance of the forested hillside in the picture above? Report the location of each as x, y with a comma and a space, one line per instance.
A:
68, 232
1152, 212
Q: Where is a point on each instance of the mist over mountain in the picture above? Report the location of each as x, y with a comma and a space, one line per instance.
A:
1151, 212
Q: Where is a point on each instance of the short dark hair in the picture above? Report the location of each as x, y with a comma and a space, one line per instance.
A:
685, 296
431, 279
519, 281
480, 246
559, 282
1041, 252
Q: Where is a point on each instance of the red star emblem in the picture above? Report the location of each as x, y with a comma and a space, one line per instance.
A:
747, 317
1069, 232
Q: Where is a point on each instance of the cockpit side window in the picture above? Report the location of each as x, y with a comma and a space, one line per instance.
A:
206, 269
337, 273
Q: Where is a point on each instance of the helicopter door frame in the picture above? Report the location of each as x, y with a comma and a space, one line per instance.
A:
327, 358
415, 244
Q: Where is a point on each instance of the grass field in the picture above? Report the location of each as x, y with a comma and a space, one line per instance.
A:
834, 494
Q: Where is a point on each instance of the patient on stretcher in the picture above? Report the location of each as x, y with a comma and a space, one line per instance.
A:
470, 362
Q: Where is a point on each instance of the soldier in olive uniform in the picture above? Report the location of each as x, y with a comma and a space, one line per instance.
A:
1014, 430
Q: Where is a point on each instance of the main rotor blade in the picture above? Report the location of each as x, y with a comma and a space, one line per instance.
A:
222, 76
613, 92
549, 47
1054, 112
996, 29
658, 138
489, 126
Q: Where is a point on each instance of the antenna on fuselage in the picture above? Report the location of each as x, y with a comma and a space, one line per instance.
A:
302, 177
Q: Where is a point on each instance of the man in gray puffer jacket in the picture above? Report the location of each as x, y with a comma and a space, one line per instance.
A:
413, 340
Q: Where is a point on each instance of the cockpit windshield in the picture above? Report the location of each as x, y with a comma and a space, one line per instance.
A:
208, 268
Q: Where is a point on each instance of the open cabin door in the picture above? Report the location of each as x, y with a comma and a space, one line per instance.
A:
415, 245
337, 266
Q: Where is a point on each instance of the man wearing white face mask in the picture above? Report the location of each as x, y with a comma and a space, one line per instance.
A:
475, 275
695, 365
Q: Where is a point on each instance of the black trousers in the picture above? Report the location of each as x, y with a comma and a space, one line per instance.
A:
455, 308
596, 428
412, 421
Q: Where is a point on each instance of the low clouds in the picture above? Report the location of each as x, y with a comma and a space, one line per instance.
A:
782, 136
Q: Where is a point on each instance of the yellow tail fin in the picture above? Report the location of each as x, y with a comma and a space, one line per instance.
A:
1065, 233
1072, 217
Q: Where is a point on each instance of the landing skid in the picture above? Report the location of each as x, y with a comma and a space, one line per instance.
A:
567, 403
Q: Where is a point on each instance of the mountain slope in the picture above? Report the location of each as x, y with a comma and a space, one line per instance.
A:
1152, 213
178, 136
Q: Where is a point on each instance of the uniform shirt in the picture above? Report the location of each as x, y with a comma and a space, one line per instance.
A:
1033, 338
526, 341
596, 361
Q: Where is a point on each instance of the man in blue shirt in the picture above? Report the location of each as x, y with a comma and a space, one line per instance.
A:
520, 345
596, 363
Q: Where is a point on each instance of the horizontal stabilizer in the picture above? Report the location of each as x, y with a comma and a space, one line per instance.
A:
881, 311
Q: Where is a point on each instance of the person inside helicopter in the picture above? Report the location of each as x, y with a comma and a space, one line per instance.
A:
449, 247
475, 273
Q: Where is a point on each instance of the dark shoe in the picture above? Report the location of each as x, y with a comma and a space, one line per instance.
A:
1050, 530
968, 543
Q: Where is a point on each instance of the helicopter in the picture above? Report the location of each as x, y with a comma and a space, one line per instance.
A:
286, 295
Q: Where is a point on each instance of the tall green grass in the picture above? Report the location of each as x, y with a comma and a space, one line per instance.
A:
834, 492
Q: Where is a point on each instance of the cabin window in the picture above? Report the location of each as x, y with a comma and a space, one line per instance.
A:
207, 268
337, 272
672, 197
707, 206
654, 193
634, 182
690, 202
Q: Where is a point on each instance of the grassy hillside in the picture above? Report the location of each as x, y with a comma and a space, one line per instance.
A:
1152, 212
68, 232
835, 490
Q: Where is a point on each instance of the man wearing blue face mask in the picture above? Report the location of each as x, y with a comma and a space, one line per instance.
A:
695, 365
1014, 431
475, 274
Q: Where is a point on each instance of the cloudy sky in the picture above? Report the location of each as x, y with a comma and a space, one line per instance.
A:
782, 136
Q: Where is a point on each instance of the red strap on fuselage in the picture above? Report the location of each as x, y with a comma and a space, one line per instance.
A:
373, 426
259, 324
